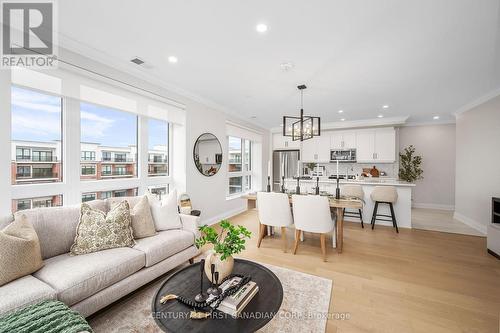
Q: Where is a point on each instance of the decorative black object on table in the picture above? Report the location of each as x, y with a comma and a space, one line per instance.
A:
268, 183
297, 190
282, 184
196, 212
317, 185
337, 190
201, 297
173, 316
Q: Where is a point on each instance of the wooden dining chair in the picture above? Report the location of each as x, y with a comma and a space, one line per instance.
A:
311, 213
274, 211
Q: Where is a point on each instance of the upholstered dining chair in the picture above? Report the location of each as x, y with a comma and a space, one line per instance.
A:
274, 211
311, 213
355, 191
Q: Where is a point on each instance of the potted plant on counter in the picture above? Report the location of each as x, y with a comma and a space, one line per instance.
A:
410, 168
229, 241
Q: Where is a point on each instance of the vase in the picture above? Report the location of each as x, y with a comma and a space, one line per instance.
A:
224, 267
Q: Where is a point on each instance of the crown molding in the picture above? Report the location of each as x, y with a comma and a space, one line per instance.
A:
430, 123
469, 106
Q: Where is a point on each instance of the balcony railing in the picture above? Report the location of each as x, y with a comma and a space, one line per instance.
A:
117, 173
37, 158
118, 160
158, 160
36, 175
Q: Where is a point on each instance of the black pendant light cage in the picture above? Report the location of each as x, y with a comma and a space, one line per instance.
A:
303, 127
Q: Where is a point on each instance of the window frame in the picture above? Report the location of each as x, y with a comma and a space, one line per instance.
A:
245, 175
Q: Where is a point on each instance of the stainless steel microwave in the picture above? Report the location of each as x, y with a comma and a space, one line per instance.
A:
343, 155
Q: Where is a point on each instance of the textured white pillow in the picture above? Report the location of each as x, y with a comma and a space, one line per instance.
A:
165, 213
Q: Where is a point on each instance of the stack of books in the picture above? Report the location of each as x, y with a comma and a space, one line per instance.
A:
234, 304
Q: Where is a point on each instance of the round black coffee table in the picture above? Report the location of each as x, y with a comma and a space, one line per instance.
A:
173, 316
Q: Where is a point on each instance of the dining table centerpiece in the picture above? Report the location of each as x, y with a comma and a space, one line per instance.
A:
230, 240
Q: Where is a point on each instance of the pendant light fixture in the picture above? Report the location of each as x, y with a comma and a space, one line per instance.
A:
303, 127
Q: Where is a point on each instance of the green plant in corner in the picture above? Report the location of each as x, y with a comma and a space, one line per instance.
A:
410, 168
231, 239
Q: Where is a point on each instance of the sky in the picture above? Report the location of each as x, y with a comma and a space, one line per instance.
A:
37, 117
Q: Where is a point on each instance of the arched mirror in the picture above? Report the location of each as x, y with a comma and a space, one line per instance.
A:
207, 154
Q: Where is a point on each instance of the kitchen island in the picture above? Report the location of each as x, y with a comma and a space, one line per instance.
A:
402, 208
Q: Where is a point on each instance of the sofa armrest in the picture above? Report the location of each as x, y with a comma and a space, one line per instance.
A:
190, 223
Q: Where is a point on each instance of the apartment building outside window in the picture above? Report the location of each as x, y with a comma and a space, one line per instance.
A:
39, 202
88, 170
239, 165
108, 137
158, 147
36, 134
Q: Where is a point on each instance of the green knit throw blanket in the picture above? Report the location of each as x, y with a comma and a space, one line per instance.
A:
44, 317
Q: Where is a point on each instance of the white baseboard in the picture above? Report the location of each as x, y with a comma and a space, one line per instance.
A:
433, 206
470, 222
225, 215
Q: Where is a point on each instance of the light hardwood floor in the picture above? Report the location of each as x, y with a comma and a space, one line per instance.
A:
414, 281
440, 220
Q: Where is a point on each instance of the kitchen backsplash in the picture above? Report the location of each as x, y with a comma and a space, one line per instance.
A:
391, 169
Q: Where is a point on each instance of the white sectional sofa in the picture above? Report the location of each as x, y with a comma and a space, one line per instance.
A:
88, 283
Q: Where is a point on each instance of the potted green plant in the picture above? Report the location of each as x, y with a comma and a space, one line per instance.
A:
229, 241
410, 164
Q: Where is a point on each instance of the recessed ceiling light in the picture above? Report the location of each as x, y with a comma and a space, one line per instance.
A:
435, 117
385, 106
286, 66
341, 111
380, 116
343, 119
261, 28
172, 59
253, 117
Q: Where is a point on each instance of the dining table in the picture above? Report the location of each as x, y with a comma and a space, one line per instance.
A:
336, 205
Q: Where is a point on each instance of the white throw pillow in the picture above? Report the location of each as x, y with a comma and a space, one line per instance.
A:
165, 213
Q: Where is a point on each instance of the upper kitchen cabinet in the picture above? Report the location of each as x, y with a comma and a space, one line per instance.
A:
316, 149
343, 140
376, 145
284, 142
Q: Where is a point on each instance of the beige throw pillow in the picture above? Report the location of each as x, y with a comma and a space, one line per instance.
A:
97, 231
20, 253
143, 224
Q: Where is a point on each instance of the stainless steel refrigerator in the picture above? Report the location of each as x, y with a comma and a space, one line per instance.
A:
284, 164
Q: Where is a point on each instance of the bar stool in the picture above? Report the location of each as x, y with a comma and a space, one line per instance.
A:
384, 195
357, 192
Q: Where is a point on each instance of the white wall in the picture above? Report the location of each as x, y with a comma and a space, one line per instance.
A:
478, 163
436, 145
208, 194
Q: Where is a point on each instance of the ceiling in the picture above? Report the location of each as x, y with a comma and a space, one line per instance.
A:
422, 57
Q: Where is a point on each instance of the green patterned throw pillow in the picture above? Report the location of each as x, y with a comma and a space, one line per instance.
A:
97, 231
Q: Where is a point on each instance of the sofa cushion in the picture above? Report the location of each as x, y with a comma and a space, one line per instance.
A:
56, 226
5, 220
98, 231
165, 212
75, 278
164, 245
19, 250
22, 292
142, 220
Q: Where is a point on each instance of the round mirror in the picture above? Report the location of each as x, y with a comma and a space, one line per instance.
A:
207, 154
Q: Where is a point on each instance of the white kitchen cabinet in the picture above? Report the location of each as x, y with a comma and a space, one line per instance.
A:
365, 146
284, 142
385, 145
316, 149
376, 145
343, 140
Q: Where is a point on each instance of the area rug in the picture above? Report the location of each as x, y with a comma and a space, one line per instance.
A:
306, 300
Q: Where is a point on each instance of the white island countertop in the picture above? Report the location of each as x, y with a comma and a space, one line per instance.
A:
366, 181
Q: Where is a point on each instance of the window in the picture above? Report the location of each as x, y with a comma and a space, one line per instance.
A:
39, 202
23, 172
106, 170
116, 134
88, 155
106, 156
106, 195
239, 165
158, 147
88, 170
36, 128
159, 190
23, 154
88, 197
